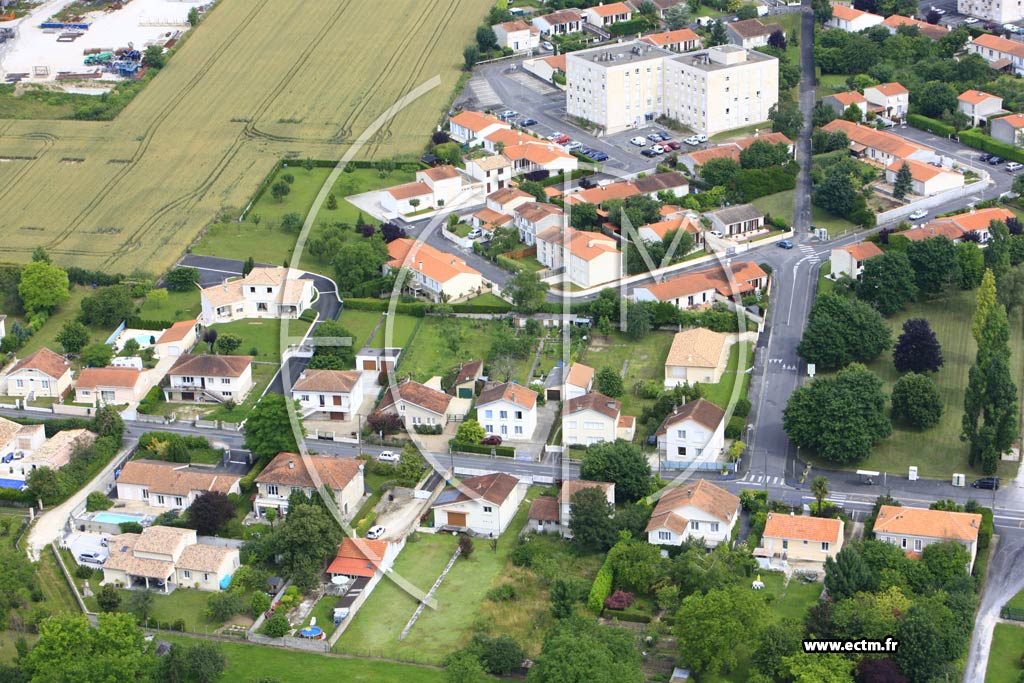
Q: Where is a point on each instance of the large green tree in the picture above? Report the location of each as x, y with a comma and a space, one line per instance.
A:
927, 643
590, 520
887, 282
840, 418
970, 264
43, 287
198, 662
934, 262
579, 649
917, 349
904, 182
778, 640
69, 649
916, 401
332, 352
836, 193
709, 626
308, 536
841, 331
848, 574
268, 431
527, 291
636, 565
359, 261
619, 462
108, 306
806, 667
73, 336
997, 250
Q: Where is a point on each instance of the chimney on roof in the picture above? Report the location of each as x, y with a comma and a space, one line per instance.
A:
291, 464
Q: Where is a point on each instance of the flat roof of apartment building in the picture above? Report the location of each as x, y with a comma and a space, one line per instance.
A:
721, 57
621, 53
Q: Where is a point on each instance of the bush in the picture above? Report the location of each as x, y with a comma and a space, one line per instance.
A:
975, 138
363, 525
930, 125
522, 554
503, 593
83, 572
601, 589
150, 404
130, 528
97, 501
986, 528
503, 451
276, 626
619, 600
428, 429
634, 616
742, 407
734, 428
308, 315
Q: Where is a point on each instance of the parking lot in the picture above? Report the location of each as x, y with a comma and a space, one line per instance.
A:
83, 543
505, 86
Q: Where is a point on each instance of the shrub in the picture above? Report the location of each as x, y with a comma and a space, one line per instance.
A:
986, 528
742, 407
601, 589
97, 501
619, 600
308, 315
503, 593
734, 428
634, 616
277, 626
975, 138
83, 572
930, 125
130, 528
522, 554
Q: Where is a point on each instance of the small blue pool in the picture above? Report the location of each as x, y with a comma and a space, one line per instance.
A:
114, 518
311, 632
145, 340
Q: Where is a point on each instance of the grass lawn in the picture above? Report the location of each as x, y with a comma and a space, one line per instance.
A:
323, 610
791, 24
529, 264
1017, 601
938, 452
375, 628
1004, 657
462, 229
183, 603
360, 324
781, 204
178, 306
720, 394
743, 132
250, 662
645, 358
489, 299
57, 596
373, 482
429, 355
8, 651
825, 284
263, 335
829, 84
528, 617
262, 373
69, 310
397, 330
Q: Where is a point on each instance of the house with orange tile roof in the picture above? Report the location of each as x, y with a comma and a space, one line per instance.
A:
682, 40
1001, 53
531, 218
689, 222
697, 509
489, 220
484, 505
593, 418
891, 100
695, 431
1008, 129
170, 485
328, 394
976, 221
607, 14
927, 180
700, 289
877, 146
41, 374
209, 378
589, 258
464, 384
471, 127
799, 541
841, 101
936, 228
602, 193
508, 410
979, 105
896, 21
110, 386
846, 18
850, 260
559, 23
565, 383
545, 68
177, 339
517, 35
732, 149
529, 153
416, 404
494, 171
697, 355
433, 189
363, 558
507, 199
433, 272
288, 472
274, 292
914, 529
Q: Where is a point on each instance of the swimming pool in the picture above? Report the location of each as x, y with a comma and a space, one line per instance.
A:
145, 340
115, 518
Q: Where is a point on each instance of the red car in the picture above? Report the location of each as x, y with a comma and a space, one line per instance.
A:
672, 145
562, 139
492, 440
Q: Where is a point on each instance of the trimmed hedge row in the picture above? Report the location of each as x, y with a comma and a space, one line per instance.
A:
144, 324
634, 616
503, 451
601, 588
975, 138
930, 125
417, 310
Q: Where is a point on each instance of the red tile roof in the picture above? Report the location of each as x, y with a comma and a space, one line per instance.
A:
46, 361
358, 557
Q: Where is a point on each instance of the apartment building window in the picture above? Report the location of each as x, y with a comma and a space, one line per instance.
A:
489, 429
518, 430
664, 536
503, 414
271, 489
225, 380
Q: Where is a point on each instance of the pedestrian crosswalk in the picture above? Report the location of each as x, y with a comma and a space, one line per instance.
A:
808, 251
782, 362
760, 479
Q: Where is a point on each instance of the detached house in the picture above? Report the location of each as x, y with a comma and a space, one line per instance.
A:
433, 188
517, 35
110, 386
979, 106
891, 100
528, 153
169, 484
177, 339
751, 33
927, 180
683, 40
913, 529
483, 505
287, 472
25, 448
852, 20
494, 171
694, 510
209, 379
416, 404
1000, 53
934, 31
606, 15
694, 431
737, 220
508, 410
263, 293
850, 260
433, 272
593, 418
589, 258
797, 541
697, 355
954, 227
471, 127
1008, 129
328, 394
559, 23
670, 181
565, 383
363, 558
531, 218
161, 556
658, 232
464, 385
42, 374
700, 289
841, 101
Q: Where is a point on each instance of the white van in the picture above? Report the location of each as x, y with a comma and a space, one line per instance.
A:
639, 141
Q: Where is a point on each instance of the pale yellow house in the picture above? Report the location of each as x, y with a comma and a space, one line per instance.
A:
913, 529
416, 404
697, 355
110, 386
177, 339
288, 472
43, 374
799, 542
163, 556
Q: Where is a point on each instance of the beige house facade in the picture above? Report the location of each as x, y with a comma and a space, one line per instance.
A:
42, 374
288, 472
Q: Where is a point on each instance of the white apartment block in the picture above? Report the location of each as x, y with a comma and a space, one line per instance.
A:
628, 85
999, 11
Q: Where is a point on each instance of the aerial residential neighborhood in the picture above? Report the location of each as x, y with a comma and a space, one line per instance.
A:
454, 342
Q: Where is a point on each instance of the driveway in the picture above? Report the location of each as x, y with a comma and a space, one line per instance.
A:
1004, 581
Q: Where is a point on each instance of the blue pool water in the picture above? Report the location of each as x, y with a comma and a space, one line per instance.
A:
114, 518
145, 339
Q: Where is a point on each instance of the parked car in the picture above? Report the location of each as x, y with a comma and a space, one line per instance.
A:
475, 234
528, 122
94, 558
103, 542
665, 137
785, 244
548, 46
995, 161
598, 155
970, 20
508, 114
649, 153
375, 532
554, 136
491, 440
391, 456
654, 137
692, 140
986, 483
638, 141
701, 138
716, 233
562, 139
985, 156
673, 145
658, 149
1014, 166
991, 26
938, 10
573, 146
920, 213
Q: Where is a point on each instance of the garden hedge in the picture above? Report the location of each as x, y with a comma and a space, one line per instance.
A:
601, 588
930, 125
975, 138
503, 451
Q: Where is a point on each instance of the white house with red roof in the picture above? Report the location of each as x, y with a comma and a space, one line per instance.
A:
484, 505
850, 260
682, 40
433, 272
559, 23
891, 100
589, 258
433, 188
177, 339
1001, 53
846, 18
697, 509
979, 105
363, 558
976, 221
531, 218
1008, 129
472, 126
508, 410
841, 101
517, 35
928, 180
607, 14
593, 418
